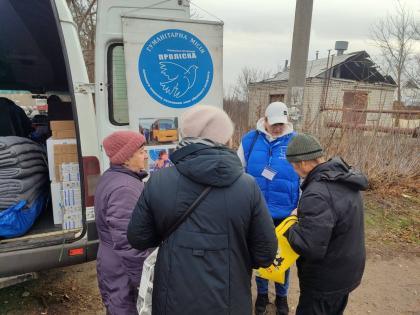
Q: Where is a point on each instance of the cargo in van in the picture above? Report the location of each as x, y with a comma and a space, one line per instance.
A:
37, 76
41, 59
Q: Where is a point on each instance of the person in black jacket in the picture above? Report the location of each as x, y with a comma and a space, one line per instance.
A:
205, 266
329, 236
13, 120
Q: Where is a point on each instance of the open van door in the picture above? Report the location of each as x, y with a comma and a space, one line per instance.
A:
41, 60
158, 63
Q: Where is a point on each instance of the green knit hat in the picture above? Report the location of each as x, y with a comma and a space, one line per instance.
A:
303, 147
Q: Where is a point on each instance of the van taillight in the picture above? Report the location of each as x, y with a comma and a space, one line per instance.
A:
91, 173
76, 251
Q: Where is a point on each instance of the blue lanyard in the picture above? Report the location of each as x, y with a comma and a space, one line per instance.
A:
271, 148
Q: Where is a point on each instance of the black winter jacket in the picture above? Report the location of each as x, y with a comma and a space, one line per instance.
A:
329, 236
205, 266
13, 120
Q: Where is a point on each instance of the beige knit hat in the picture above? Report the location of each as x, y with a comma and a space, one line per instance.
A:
207, 122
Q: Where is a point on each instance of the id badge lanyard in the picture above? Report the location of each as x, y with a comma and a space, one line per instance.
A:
269, 172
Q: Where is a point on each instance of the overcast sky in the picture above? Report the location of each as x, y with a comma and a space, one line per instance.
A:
259, 33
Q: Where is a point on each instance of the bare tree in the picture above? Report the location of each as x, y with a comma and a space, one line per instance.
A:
413, 72
395, 36
247, 76
236, 101
416, 27
84, 15
414, 69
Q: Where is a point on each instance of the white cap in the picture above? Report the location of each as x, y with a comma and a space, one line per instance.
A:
276, 113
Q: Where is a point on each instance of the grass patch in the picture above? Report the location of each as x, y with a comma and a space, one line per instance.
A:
391, 219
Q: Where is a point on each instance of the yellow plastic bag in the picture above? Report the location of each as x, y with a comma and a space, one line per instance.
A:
285, 257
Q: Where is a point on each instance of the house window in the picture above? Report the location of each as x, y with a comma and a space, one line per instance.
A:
117, 86
276, 98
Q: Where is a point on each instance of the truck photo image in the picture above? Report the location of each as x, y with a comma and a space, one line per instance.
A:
159, 130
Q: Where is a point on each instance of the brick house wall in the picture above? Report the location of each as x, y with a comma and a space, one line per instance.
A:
379, 96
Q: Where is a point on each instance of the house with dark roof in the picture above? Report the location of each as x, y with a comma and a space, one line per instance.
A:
334, 85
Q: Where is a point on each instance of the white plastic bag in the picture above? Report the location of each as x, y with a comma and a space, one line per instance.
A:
144, 301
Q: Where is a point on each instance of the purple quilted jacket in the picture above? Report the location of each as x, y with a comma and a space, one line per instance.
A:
118, 264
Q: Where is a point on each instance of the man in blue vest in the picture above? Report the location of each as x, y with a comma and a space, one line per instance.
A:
263, 154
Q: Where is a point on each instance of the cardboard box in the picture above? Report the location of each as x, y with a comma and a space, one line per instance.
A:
67, 204
59, 160
65, 154
71, 195
56, 203
62, 125
72, 218
64, 134
65, 148
63, 129
70, 173
64, 173
63, 158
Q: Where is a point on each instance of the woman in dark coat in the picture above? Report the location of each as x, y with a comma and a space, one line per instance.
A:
205, 266
118, 264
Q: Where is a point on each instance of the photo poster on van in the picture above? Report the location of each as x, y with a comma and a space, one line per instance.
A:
162, 136
171, 65
159, 130
159, 157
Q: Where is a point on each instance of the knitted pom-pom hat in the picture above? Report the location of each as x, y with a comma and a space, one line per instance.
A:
120, 146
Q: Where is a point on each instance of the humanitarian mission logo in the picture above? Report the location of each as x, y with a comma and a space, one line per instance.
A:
176, 68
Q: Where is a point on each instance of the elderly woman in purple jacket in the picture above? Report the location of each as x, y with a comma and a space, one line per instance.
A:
118, 264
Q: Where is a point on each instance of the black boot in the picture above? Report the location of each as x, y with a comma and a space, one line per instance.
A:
261, 304
281, 305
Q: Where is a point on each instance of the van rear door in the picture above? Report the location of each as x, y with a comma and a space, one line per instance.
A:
171, 65
188, 72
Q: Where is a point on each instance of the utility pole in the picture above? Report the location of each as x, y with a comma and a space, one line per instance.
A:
298, 60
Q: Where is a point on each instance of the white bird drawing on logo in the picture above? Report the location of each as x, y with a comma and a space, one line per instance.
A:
179, 79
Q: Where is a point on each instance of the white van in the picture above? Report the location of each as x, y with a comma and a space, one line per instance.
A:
151, 61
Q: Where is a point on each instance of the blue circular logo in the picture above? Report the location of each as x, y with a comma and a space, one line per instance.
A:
176, 68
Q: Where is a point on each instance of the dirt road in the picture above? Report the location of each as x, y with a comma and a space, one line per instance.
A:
391, 285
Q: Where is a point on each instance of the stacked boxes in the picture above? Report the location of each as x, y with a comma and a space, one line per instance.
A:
71, 196
60, 151
64, 154
64, 175
66, 200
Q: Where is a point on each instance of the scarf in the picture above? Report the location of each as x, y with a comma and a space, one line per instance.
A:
193, 140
